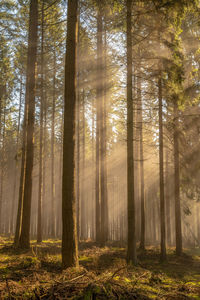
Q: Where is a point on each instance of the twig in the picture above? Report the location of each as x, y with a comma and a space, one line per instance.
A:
80, 276
117, 272
68, 281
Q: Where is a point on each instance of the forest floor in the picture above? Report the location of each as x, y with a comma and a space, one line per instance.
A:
102, 274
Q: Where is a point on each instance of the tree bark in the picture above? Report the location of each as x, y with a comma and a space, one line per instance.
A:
161, 166
22, 177
53, 220
24, 241
12, 223
78, 134
131, 250
41, 159
98, 123
177, 182
69, 233
103, 112
142, 199
168, 202
83, 198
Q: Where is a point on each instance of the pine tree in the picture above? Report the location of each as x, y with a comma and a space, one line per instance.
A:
69, 235
24, 241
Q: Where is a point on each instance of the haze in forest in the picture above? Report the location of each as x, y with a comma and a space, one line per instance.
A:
99, 124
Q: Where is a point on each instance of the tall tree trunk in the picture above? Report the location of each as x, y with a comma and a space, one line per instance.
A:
53, 220
78, 134
40, 187
168, 201
136, 150
177, 182
98, 122
22, 177
24, 241
142, 199
69, 234
44, 204
131, 250
161, 166
12, 224
104, 191
83, 198
93, 170
2, 170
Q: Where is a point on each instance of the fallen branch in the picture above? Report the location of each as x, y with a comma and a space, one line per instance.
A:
117, 271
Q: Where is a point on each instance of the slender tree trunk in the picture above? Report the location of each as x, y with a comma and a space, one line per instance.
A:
69, 234
168, 201
98, 122
161, 165
177, 182
12, 224
83, 198
41, 163
22, 177
104, 191
78, 134
93, 171
142, 199
44, 204
131, 251
78, 168
136, 133
24, 241
53, 220
2, 228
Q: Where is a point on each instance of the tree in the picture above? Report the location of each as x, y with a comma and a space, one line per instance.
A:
24, 241
161, 166
131, 251
41, 154
69, 234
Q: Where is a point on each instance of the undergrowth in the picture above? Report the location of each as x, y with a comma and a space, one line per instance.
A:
103, 274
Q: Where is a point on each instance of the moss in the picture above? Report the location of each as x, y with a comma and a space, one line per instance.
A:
85, 258
103, 273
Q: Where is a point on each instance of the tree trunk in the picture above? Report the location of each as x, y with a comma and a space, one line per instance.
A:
161, 166
168, 202
12, 223
83, 198
177, 182
98, 122
44, 203
103, 111
131, 251
78, 134
40, 188
53, 220
30, 90
21, 185
69, 234
2, 171
142, 199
